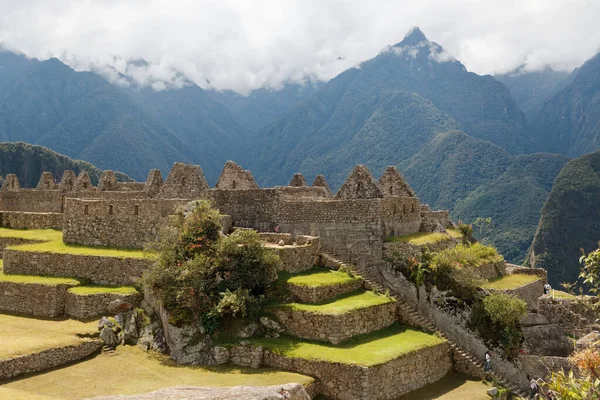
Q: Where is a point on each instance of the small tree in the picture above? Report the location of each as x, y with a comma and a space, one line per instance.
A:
590, 271
484, 227
466, 231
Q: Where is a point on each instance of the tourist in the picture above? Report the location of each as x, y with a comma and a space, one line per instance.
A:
276, 229
534, 388
547, 288
488, 361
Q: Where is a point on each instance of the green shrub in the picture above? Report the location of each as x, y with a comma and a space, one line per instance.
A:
466, 231
504, 309
463, 256
195, 265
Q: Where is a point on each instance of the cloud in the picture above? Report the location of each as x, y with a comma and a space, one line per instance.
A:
244, 45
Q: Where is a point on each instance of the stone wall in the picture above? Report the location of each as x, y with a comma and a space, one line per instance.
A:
32, 200
36, 362
406, 250
317, 294
98, 269
529, 292
33, 299
491, 270
297, 257
93, 305
336, 328
462, 365
431, 219
125, 224
385, 381
569, 314
9, 241
30, 220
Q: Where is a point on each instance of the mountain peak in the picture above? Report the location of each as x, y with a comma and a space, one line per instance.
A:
414, 36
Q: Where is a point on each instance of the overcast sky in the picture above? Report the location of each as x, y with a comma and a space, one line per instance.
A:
242, 45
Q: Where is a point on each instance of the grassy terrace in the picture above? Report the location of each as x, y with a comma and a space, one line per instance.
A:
40, 280
342, 304
103, 376
320, 277
22, 335
512, 281
419, 238
365, 350
472, 256
51, 242
91, 290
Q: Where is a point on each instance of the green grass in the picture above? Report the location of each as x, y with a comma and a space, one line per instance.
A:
419, 238
39, 280
511, 281
103, 376
451, 387
365, 350
41, 235
471, 256
90, 290
454, 233
51, 242
560, 295
342, 304
321, 277
24, 335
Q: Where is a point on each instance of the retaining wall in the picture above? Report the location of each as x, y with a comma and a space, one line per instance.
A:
33, 299
317, 294
98, 269
86, 306
337, 328
36, 362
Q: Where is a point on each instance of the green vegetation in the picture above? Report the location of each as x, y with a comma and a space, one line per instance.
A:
90, 290
320, 277
454, 233
462, 256
145, 372
204, 278
41, 235
565, 225
511, 281
39, 280
419, 238
28, 162
58, 246
504, 309
343, 304
22, 335
561, 295
366, 350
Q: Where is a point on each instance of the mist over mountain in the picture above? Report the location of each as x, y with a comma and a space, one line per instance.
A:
314, 130
531, 89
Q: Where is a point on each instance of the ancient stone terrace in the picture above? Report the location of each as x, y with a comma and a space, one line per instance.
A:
355, 220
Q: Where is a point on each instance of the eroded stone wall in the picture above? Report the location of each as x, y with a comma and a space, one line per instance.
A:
93, 305
99, 270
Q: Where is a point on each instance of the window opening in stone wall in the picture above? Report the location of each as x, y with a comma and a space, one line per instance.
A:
136, 210
85, 209
391, 189
48, 185
404, 208
85, 185
412, 208
359, 187
233, 185
182, 181
110, 209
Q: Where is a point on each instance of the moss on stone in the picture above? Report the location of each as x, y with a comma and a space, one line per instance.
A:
342, 304
321, 277
91, 290
365, 350
512, 281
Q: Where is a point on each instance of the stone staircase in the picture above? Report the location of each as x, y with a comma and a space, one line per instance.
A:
412, 316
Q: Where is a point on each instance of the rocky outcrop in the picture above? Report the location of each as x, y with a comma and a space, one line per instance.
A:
291, 391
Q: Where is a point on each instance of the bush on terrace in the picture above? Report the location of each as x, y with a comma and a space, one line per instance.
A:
203, 277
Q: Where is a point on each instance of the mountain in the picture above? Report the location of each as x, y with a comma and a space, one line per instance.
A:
83, 116
12, 65
209, 129
513, 200
474, 178
569, 123
531, 89
314, 130
264, 106
29, 161
570, 220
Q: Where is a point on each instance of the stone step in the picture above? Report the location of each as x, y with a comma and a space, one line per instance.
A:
340, 319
